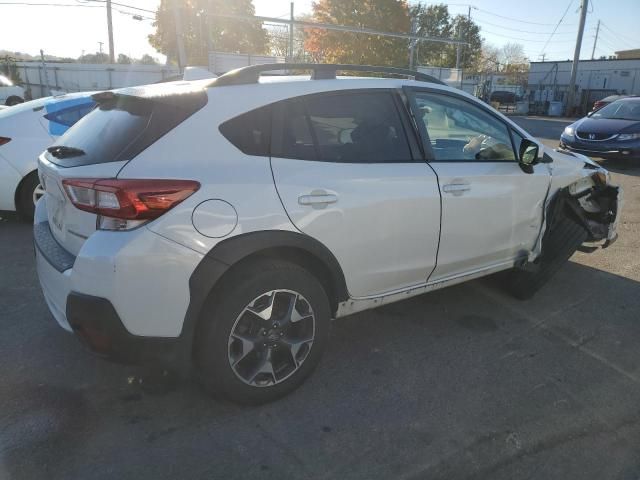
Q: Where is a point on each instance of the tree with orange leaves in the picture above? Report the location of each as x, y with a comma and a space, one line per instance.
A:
330, 46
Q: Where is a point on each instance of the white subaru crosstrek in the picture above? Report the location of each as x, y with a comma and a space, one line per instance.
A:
224, 223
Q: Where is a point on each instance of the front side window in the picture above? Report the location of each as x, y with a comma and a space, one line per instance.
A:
353, 127
457, 130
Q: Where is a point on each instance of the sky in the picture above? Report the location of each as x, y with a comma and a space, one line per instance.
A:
73, 27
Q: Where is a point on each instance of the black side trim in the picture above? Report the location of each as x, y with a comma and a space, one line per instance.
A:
229, 252
97, 324
50, 249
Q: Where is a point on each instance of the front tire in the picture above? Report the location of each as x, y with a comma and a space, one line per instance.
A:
559, 244
262, 333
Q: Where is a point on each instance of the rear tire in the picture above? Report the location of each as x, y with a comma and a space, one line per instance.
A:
26, 196
13, 100
262, 333
560, 242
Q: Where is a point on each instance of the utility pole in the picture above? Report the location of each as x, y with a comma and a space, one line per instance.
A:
576, 58
595, 42
100, 46
112, 58
291, 35
459, 49
412, 43
46, 90
543, 55
177, 18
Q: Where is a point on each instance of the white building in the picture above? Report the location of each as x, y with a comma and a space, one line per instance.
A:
595, 79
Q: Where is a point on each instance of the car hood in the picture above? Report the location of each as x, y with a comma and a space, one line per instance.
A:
609, 126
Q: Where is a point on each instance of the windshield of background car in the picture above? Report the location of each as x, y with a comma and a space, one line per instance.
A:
621, 110
5, 82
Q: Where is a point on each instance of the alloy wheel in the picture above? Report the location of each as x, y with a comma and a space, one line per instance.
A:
271, 338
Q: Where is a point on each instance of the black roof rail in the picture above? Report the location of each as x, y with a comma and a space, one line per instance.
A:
320, 71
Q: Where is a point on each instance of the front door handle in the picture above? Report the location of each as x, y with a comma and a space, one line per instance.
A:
456, 188
318, 199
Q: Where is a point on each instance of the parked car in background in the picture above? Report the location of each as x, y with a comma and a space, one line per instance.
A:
221, 224
10, 94
502, 96
611, 132
25, 131
597, 105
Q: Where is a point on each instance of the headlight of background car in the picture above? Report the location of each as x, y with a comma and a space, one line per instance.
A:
629, 136
568, 131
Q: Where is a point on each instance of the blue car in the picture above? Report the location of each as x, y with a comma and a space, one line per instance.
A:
613, 132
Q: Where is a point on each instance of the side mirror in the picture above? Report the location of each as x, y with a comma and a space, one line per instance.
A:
528, 155
591, 113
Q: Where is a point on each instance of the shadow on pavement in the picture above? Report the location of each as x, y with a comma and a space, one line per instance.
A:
461, 383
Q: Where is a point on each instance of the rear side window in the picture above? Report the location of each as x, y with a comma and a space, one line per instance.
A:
250, 132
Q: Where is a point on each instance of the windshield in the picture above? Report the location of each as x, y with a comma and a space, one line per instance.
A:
620, 110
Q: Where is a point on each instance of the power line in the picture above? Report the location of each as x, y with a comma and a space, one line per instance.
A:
519, 30
556, 27
526, 39
119, 5
31, 4
618, 36
511, 18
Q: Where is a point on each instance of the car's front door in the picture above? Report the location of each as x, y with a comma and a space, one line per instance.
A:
344, 168
491, 209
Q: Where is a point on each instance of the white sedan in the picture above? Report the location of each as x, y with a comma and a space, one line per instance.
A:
10, 94
25, 131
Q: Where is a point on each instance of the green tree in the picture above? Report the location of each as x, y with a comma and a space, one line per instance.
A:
202, 30
147, 59
435, 21
94, 58
358, 48
123, 59
432, 21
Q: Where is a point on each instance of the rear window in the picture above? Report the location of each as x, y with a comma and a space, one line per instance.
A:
121, 128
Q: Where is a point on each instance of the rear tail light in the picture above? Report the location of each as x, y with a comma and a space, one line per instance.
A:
4, 140
126, 204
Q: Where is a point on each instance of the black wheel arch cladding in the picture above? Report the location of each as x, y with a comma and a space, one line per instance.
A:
231, 251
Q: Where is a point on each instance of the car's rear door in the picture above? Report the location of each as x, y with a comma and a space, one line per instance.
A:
347, 175
491, 209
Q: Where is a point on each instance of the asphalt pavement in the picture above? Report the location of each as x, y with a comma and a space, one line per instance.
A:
461, 383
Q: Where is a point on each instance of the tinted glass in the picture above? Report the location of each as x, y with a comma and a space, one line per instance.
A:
250, 132
104, 133
297, 141
460, 131
346, 127
121, 128
357, 128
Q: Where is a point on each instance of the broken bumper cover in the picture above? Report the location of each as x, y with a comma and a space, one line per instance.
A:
593, 203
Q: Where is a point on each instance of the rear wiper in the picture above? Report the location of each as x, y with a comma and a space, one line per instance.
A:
62, 151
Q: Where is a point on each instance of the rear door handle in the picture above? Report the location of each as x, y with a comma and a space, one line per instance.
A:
318, 199
456, 188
